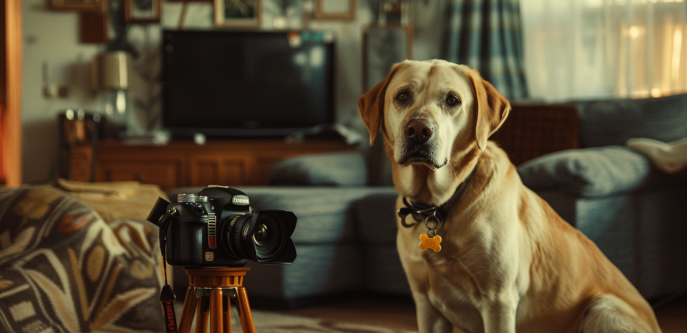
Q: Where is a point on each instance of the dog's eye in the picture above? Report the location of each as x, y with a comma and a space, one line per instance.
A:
452, 100
402, 96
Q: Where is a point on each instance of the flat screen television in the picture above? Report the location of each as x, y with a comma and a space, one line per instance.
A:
228, 83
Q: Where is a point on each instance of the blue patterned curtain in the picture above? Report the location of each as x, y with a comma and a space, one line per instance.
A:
486, 35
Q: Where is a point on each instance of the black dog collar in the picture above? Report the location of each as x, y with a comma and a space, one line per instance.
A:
427, 213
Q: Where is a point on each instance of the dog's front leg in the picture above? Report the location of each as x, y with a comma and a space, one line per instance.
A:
499, 316
429, 319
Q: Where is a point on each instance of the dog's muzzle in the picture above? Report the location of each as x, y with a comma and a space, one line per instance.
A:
420, 144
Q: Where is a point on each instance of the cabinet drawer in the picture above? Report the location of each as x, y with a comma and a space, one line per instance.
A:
167, 175
208, 170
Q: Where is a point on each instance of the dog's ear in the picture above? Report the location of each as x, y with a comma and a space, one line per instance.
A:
371, 105
492, 109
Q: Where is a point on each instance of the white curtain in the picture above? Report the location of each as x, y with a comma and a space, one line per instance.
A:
587, 49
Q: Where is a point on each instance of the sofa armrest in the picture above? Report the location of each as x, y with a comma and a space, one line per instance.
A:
335, 169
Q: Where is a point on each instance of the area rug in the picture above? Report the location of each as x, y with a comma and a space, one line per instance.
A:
271, 322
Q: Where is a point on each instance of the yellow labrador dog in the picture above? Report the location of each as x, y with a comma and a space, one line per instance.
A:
507, 262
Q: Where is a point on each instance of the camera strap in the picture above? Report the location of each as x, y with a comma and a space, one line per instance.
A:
167, 296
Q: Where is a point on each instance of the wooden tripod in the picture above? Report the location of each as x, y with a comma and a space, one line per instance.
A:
206, 295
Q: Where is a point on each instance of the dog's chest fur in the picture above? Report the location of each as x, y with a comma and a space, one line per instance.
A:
447, 278
453, 279
472, 263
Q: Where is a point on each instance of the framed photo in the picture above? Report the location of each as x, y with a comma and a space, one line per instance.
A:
238, 13
93, 27
335, 9
142, 11
383, 46
86, 5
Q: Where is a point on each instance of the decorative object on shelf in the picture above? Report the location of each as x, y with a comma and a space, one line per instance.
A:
307, 9
95, 5
290, 14
238, 13
111, 74
142, 11
51, 89
76, 127
335, 9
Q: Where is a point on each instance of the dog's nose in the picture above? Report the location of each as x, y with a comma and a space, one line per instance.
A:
418, 130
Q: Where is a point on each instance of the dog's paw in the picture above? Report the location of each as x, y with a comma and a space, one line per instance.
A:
430, 243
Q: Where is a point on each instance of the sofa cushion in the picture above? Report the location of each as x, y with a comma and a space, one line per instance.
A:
336, 169
590, 172
375, 217
613, 122
319, 269
637, 231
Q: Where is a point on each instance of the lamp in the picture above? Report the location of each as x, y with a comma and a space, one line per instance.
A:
110, 73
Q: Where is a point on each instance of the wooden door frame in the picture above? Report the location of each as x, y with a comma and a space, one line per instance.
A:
11, 119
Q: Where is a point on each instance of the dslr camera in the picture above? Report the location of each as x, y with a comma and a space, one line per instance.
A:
217, 227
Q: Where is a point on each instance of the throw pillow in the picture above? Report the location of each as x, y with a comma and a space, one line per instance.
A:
590, 172
669, 157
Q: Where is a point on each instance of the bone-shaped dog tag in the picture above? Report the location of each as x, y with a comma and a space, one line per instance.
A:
430, 243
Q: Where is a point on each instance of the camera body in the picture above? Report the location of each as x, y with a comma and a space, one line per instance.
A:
216, 227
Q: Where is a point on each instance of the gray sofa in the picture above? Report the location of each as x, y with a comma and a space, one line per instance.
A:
346, 230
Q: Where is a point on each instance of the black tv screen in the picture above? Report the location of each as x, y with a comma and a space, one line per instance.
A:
246, 83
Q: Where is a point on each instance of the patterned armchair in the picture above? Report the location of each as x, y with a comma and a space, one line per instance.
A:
64, 269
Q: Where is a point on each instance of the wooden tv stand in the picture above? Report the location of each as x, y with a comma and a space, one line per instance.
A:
184, 163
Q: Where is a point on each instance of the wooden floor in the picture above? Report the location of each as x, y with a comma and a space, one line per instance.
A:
400, 313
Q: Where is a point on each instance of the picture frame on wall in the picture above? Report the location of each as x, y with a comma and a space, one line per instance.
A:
238, 13
383, 46
78, 5
335, 9
142, 11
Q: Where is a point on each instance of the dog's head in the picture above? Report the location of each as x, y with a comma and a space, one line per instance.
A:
435, 116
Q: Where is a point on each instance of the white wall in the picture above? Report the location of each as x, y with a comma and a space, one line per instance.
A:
52, 37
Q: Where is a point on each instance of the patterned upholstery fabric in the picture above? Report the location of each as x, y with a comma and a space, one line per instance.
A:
534, 130
64, 269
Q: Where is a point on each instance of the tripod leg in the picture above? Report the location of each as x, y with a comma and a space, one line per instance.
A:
216, 310
190, 303
226, 305
202, 317
244, 312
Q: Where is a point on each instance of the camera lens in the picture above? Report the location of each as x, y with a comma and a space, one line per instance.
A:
268, 237
264, 242
261, 234
231, 236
